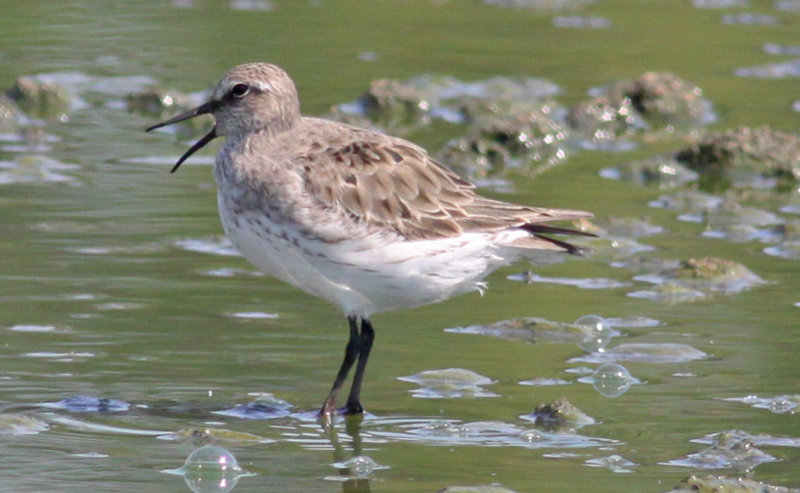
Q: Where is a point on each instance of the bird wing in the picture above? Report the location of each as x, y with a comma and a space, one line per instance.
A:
387, 181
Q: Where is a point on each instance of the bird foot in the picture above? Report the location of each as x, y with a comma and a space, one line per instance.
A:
329, 410
352, 408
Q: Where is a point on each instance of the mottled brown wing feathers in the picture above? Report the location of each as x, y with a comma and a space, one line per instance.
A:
387, 182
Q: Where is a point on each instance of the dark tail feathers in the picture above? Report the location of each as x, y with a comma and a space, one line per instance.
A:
538, 229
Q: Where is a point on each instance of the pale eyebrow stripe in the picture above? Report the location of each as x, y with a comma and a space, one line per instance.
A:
263, 86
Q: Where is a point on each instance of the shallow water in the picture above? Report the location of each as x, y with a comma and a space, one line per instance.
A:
132, 333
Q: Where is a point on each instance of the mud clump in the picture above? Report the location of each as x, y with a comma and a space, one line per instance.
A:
160, 103
713, 274
656, 100
40, 99
501, 139
666, 99
157, 102
603, 119
559, 414
395, 104
722, 484
763, 150
505, 122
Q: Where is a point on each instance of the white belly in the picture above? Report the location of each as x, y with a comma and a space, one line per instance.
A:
365, 275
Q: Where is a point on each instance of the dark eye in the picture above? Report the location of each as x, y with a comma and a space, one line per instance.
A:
240, 90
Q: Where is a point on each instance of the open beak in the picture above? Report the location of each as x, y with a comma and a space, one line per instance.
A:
200, 110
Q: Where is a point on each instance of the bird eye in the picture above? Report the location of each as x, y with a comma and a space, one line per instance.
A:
240, 90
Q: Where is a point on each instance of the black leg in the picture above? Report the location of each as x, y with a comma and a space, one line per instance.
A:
352, 351
353, 405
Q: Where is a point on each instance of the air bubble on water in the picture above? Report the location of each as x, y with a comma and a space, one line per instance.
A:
780, 406
739, 435
544, 382
614, 463
265, 406
360, 466
211, 459
442, 427
593, 322
732, 449
532, 436
633, 321
597, 333
210, 469
449, 383
611, 380
664, 352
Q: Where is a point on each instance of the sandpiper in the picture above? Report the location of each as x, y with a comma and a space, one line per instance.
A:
369, 222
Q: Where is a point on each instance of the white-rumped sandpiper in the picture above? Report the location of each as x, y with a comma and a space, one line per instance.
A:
366, 221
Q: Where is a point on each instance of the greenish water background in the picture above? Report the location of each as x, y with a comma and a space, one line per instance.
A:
148, 327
